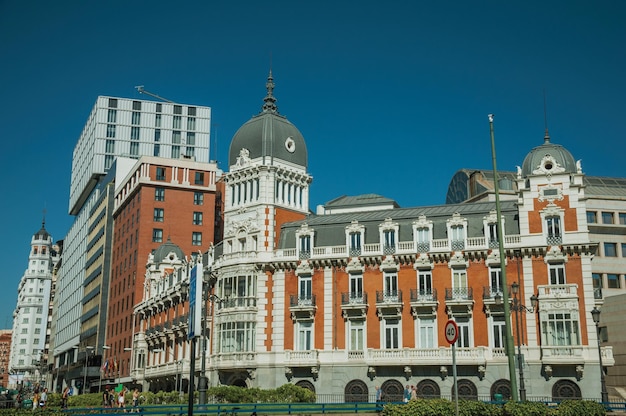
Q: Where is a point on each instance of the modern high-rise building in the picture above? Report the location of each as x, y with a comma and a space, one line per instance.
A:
29, 343
115, 127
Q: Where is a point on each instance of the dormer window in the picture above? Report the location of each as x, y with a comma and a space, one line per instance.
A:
305, 246
456, 227
457, 238
304, 238
389, 245
355, 244
422, 234
388, 234
553, 230
354, 236
492, 235
422, 237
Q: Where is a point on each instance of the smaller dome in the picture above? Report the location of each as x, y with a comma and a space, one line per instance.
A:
548, 158
42, 234
169, 251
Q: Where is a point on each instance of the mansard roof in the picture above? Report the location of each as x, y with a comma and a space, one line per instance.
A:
330, 230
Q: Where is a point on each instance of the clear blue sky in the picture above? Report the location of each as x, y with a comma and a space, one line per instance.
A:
391, 97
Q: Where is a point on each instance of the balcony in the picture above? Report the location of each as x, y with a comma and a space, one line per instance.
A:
389, 302
302, 307
459, 294
491, 292
426, 356
554, 240
557, 292
424, 300
307, 358
459, 298
412, 248
354, 305
229, 360
237, 302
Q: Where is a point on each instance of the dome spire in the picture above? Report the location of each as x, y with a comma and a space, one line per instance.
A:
269, 102
546, 137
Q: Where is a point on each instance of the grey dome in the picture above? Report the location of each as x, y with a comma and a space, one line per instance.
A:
269, 135
164, 251
536, 156
42, 234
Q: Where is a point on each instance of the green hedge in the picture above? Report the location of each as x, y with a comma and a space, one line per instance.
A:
290, 393
441, 407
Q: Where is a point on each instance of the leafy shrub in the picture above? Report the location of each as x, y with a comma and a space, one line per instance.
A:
287, 393
580, 407
526, 409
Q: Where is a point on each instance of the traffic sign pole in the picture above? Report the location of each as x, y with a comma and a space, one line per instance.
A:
451, 332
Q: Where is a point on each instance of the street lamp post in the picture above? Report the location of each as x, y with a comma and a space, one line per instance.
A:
126, 349
104, 348
517, 307
179, 375
87, 349
595, 313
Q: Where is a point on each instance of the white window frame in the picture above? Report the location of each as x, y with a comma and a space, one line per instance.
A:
305, 288
426, 331
390, 284
304, 335
560, 328
356, 285
425, 282
466, 335
556, 278
391, 333
356, 335
498, 332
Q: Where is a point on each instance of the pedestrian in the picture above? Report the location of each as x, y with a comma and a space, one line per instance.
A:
121, 399
407, 393
43, 398
136, 400
106, 402
36, 400
379, 399
413, 393
112, 398
64, 397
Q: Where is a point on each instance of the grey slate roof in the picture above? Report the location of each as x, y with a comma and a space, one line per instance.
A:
330, 229
360, 201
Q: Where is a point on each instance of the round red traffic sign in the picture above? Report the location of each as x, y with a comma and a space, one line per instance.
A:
451, 331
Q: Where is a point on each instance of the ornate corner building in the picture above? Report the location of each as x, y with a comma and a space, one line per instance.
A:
358, 294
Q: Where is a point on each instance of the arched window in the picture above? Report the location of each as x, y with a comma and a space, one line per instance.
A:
565, 389
467, 390
502, 387
393, 391
356, 391
428, 389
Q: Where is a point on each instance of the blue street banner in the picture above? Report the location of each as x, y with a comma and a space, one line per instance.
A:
195, 302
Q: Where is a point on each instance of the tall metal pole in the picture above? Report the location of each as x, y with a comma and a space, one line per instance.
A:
192, 370
510, 349
202, 380
520, 364
85, 371
454, 380
603, 392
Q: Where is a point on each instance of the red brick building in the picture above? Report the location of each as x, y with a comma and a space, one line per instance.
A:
158, 201
5, 355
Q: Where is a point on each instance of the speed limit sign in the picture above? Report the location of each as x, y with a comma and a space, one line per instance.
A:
451, 331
